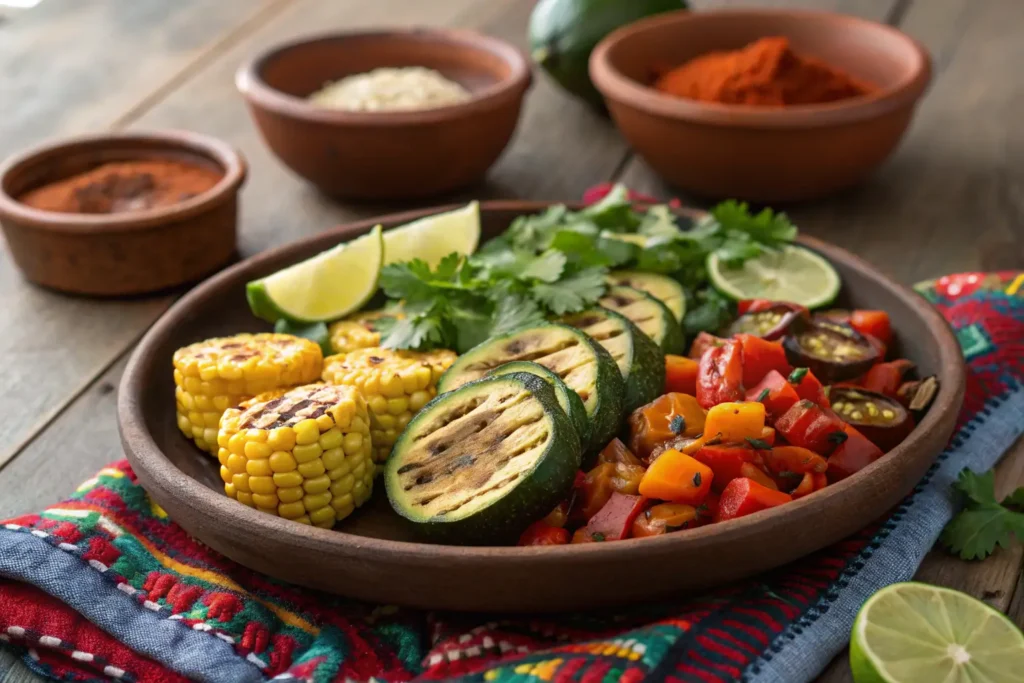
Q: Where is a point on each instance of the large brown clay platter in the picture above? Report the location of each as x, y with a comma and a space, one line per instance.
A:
372, 556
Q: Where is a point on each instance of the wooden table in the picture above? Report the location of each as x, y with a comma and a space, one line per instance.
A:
951, 200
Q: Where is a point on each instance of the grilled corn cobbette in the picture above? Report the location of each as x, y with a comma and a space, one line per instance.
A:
358, 331
214, 375
396, 384
303, 454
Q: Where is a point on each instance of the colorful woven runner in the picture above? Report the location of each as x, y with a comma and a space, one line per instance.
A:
105, 587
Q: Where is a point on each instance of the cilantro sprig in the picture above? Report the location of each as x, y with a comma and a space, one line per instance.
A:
555, 262
984, 522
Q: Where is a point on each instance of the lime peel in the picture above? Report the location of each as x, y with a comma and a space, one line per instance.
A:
794, 274
432, 238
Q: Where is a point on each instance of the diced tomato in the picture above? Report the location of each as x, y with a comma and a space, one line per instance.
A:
852, 455
810, 426
541, 533
665, 418
664, 518
726, 461
808, 386
614, 521
680, 374
744, 496
702, 342
875, 323
886, 378
720, 375
760, 357
776, 393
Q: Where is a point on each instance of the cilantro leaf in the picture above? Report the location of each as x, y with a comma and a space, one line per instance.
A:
573, 293
1015, 499
547, 267
975, 533
515, 312
979, 488
767, 227
414, 333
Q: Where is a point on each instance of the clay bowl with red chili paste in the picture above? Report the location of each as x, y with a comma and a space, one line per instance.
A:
373, 556
759, 153
123, 213
387, 154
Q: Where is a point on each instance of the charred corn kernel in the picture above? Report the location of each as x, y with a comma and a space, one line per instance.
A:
358, 331
285, 454
395, 384
214, 375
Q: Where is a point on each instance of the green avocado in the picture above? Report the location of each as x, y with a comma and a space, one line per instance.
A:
563, 33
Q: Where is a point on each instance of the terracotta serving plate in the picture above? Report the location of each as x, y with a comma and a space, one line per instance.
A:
373, 557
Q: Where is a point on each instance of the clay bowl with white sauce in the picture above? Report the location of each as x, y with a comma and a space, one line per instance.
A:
387, 154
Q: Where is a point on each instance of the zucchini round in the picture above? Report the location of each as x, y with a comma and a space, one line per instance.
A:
640, 361
479, 464
661, 287
578, 360
650, 315
568, 400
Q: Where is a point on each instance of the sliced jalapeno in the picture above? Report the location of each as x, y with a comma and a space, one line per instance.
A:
833, 351
768, 323
882, 420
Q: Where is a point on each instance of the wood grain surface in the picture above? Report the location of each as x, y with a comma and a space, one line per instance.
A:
951, 199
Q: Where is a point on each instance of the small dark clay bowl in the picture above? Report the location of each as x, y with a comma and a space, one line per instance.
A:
125, 253
756, 153
394, 154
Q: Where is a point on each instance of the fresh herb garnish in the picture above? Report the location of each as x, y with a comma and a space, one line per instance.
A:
797, 375
763, 395
984, 522
598, 536
759, 444
838, 437
677, 424
696, 479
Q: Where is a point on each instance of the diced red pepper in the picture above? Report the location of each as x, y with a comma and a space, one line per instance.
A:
810, 426
886, 378
780, 395
680, 374
726, 462
767, 436
720, 375
744, 496
614, 521
702, 342
760, 357
874, 323
542, 533
808, 386
788, 466
852, 455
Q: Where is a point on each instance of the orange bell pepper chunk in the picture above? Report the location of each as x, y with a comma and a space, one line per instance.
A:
735, 422
664, 518
541, 533
794, 459
677, 477
680, 374
663, 419
744, 496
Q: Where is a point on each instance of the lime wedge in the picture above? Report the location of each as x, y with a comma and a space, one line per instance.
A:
326, 287
916, 633
434, 237
790, 274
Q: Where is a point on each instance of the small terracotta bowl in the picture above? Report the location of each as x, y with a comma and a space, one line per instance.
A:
394, 154
124, 253
757, 153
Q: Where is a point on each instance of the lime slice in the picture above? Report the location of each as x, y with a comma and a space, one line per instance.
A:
916, 633
791, 274
326, 287
434, 237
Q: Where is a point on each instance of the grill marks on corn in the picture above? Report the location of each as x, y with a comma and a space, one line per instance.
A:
290, 409
475, 451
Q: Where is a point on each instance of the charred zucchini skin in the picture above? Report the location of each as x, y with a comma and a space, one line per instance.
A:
661, 287
537, 493
605, 410
568, 400
663, 328
643, 367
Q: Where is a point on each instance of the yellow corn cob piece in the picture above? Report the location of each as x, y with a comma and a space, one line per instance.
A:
395, 384
303, 454
214, 375
358, 331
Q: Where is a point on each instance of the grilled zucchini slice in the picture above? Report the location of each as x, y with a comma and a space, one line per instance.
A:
661, 287
650, 315
577, 359
568, 400
640, 360
479, 464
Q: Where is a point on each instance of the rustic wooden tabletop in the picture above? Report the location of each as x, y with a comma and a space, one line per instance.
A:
952, 199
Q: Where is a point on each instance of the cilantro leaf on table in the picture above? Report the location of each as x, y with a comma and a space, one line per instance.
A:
984, 523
